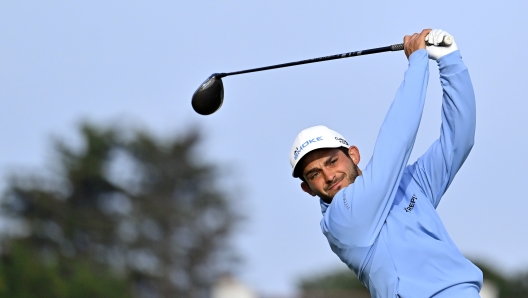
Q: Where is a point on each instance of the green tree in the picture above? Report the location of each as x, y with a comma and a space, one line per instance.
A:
336, 284
150, 210
515, 286
23, 276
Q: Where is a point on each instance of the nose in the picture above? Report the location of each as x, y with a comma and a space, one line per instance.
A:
328, 175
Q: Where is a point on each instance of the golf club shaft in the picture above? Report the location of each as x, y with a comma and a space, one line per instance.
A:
392, 48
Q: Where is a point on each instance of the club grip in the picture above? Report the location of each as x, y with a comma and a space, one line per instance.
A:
446, 42
397, 47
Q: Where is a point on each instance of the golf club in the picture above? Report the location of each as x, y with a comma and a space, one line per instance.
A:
208, 98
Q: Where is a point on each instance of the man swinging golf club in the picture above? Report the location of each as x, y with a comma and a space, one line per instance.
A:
381, 221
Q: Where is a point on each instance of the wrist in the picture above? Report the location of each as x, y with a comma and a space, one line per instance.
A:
417, 55
451, 63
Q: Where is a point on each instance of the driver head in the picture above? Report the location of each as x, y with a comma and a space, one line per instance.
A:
208, 98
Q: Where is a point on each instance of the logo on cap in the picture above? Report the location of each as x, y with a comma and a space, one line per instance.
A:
341, 140
304, 145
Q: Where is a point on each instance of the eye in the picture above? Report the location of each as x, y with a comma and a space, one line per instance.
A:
313, 176
333, 161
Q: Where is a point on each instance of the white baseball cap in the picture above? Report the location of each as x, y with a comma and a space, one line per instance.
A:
312, 138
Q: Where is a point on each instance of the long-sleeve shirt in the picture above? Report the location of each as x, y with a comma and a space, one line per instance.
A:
385, 226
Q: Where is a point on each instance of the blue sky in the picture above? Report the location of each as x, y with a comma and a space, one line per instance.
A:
139, 63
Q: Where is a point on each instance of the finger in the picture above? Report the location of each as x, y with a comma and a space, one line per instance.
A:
406, 39
422, 35
431, 37
439, 36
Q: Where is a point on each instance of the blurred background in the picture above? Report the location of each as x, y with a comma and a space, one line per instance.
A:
112, 186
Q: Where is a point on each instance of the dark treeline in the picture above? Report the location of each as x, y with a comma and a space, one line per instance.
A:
124, 215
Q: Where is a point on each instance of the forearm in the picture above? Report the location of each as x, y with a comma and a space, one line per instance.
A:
458, 110
399, 129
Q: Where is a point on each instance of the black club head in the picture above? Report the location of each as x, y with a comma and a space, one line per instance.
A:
208, 98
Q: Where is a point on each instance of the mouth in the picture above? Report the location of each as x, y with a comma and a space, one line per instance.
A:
336, 185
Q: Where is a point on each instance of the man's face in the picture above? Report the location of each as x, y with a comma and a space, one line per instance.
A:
328, 170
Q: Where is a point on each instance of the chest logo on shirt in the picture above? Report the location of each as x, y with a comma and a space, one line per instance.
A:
411, 204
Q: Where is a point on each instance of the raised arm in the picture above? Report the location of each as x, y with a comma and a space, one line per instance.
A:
357, 212
436, 169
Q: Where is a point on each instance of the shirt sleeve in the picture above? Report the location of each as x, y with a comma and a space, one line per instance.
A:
357, 212
435, 170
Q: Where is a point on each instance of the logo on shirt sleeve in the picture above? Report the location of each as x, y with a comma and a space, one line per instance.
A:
345, 201
411, 204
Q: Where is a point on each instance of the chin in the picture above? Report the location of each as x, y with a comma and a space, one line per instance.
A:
331, 196
336, 191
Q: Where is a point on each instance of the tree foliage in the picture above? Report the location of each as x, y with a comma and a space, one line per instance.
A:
515, 286
149, 210
335, 284
23, 276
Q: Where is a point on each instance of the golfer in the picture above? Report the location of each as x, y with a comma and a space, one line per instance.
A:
381, 221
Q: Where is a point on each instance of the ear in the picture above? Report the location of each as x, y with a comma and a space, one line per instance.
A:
306, 188
353, 152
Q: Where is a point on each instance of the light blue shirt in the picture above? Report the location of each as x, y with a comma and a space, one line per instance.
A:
385, 226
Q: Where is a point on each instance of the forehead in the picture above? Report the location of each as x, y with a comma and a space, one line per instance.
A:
318, 156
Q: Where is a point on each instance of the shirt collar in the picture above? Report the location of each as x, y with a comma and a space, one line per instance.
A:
324, 206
